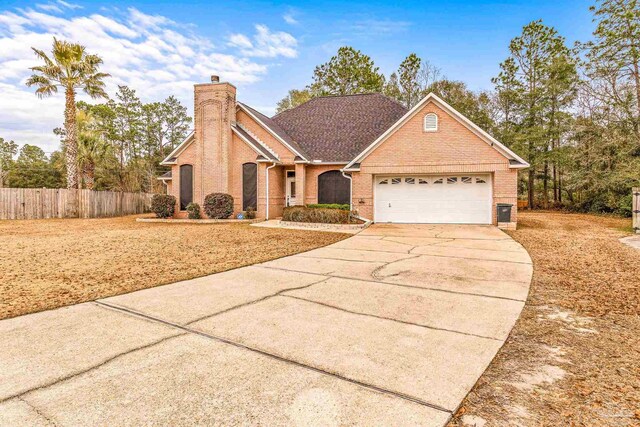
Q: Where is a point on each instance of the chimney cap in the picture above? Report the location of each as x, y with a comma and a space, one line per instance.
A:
215, 78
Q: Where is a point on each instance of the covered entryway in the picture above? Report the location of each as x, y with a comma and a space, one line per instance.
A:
442, 199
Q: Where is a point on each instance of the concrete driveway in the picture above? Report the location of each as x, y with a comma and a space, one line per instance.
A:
390, 327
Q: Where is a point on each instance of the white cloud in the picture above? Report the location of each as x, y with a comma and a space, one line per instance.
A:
49, 7
265, 43
241, 41
69, 5
289, 18
58, 6
150, 53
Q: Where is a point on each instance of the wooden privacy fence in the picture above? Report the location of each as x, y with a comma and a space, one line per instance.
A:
41, 203
635, 209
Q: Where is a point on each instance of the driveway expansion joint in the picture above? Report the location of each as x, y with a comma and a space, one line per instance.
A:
391, 319
409, 286
283, 359
472, 258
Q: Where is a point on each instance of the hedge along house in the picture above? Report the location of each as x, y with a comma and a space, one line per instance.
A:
429, 164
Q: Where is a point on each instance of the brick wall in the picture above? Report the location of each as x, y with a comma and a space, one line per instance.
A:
276, 190
285, 155
452, 149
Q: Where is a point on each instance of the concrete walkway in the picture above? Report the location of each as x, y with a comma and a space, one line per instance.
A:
390, 327
633, 241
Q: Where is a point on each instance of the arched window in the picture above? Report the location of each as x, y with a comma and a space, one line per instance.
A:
430, 122
333, 188
249, 186
186, 186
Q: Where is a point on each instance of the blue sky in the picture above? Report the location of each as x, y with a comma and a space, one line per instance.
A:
163, 47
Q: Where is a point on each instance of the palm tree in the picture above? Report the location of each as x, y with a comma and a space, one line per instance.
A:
71, 68
92, 148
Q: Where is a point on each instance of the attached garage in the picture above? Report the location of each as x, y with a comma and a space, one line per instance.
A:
452, 199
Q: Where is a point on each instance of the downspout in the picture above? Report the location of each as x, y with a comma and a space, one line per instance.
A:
350, 188
267, 184
350, 178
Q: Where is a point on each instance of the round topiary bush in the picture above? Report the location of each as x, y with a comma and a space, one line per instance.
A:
218, 205
163, 205
193, 211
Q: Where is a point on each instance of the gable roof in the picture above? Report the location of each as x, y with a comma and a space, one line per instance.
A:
276, 131
338, 128
258, 147
515, 161
173, 156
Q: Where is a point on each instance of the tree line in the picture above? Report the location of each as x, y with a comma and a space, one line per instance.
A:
120, 144
115, 145
573, 112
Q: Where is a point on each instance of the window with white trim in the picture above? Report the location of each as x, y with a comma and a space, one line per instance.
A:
438, 181
384, 181
422, 181
396, 180
452, 180
467, 180
430, 122
410, 180
480, 181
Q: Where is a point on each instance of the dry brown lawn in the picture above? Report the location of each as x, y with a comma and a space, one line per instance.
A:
573, 358
46, 264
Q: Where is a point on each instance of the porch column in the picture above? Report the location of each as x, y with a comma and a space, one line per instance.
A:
301, 170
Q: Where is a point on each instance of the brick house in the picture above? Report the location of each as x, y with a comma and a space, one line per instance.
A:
429, 164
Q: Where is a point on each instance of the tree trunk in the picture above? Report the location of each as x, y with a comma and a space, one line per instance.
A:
71, 141
559, 186
530, 190
89, 173
555, 184
545, 184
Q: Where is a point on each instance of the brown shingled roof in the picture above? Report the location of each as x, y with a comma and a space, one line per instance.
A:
338, 128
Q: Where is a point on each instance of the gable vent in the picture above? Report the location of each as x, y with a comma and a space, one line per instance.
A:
430, 122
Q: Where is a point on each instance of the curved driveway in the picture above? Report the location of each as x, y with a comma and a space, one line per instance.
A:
390, 327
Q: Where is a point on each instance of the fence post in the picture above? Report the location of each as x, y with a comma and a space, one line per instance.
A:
635, 209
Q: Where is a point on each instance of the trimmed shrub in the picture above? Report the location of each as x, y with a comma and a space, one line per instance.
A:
250, 213
321, 215
163, 205
343, 207
218, 205
193, 211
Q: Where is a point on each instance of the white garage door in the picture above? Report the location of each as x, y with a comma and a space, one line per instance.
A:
448, 199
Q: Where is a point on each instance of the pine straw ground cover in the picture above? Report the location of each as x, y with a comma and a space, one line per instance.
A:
573, 358
46, 264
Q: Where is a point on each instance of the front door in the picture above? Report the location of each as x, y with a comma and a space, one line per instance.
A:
291, 188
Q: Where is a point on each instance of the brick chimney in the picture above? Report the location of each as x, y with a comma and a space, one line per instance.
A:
214, 112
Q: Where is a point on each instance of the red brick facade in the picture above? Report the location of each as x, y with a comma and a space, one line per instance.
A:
218, 155
453, 148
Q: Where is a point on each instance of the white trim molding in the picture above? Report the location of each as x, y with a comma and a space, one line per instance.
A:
179, 149
431, 97
233, 129
268, 129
